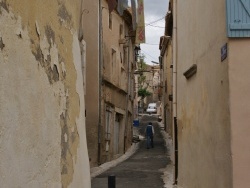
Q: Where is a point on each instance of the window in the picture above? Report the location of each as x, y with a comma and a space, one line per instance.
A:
113, 59
116, 140
108, 122
121, 58
110, 21
121, 29
125, 58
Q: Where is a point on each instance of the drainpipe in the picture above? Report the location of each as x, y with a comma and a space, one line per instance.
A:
100, 81
175, 90
127, 99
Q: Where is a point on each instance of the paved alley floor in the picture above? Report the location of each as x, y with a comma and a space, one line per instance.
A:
144, 168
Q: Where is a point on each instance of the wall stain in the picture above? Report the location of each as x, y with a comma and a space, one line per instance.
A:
61, 39
52, 73
50, 34
68, 150
2, 45
61, 59
55, 73
65, 130
37, 52
64, 15
19, 35
4, 5
37, 30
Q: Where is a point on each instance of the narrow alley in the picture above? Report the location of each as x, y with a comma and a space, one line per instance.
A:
81, 80
145, 167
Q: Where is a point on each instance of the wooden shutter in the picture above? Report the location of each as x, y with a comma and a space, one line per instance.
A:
238, 18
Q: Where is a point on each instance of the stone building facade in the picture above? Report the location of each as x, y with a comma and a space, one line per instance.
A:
109, 94
166, 63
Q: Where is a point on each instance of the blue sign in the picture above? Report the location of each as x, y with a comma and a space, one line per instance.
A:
223, 52
136, 123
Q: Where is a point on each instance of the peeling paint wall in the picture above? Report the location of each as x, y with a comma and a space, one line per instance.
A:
42, 124
203, 117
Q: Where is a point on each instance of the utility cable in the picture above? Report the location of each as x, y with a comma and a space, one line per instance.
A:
147, 24
150, 44
156, 26
148, 55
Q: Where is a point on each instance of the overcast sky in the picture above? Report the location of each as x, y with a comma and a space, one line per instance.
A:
154, 10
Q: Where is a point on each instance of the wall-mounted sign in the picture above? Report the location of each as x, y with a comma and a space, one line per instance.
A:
136, 123
140, 30
223, 52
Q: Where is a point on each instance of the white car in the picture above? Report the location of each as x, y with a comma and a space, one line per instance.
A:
151, 108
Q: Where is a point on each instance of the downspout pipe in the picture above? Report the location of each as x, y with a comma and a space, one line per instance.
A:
100, 81
174, 123
127, 98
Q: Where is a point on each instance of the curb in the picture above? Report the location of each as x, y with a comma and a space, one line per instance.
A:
95, 171
168, 177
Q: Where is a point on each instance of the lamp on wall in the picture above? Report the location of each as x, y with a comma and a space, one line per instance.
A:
191, 71
155, 62
137, 52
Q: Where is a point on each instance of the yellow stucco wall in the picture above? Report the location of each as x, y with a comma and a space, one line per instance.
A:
239, 109
43, 139
167, 89
203, 100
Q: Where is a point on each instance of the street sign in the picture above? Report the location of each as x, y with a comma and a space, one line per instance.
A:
136, 123
223, 52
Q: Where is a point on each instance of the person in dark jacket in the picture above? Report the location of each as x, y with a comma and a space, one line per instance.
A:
149, 133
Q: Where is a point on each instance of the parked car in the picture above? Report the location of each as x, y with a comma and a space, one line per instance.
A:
151, 108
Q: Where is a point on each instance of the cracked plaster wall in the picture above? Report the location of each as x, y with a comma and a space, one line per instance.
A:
42, 124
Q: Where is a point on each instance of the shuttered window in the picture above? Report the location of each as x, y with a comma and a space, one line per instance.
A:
238, 18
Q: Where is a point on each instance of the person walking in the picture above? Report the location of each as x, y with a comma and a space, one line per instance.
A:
149, 132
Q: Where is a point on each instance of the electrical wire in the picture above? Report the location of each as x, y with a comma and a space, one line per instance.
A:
156, 26
150, 24
148, 54
147, 24
150, 44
